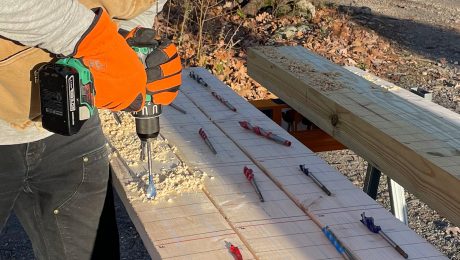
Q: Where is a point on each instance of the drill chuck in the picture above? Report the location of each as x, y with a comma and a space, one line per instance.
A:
148, 121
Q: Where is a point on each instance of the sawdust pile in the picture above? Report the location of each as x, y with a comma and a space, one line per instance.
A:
172, 177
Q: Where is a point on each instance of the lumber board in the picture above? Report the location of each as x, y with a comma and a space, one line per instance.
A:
277, 166
237, 201
414, 142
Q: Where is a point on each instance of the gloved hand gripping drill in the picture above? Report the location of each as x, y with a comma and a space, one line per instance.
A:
163, 68
103, 64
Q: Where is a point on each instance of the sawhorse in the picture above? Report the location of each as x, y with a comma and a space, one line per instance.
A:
397, 197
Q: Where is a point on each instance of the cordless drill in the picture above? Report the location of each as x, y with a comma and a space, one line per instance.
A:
147, 123
67, 102
147, 120
66, 95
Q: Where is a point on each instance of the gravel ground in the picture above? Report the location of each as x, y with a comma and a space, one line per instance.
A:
430, 28
445, 13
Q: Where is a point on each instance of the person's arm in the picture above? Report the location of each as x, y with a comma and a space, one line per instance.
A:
145, 19
67, 27
54, 25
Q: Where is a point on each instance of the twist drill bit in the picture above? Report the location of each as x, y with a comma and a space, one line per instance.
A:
201, 81
262, 132
178, 108
206, 140
310, 174
369, 223
224, 101
250, 176
117, 118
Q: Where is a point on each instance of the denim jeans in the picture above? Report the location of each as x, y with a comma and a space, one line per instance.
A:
56, 187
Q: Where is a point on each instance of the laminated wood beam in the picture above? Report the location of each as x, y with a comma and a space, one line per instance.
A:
412, 142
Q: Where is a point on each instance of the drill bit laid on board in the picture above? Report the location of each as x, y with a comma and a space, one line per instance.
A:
262, 132
313, 177
236, 252
250, 176
201, 81
337, 243
369, 223
224, 101
204, 136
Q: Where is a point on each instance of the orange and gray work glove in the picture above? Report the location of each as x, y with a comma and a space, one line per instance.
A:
119, 76
163, 65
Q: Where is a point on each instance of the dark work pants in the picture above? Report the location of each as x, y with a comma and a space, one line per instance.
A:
107, 245
56, 187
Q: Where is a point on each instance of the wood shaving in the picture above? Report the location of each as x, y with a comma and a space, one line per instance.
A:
170, 183
172, 177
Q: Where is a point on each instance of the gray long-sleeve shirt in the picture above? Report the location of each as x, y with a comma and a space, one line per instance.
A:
54, 25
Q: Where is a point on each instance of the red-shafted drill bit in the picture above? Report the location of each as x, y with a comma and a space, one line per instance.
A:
236, 252
250, 176
224, 101
260, 131
201, 81
206, 140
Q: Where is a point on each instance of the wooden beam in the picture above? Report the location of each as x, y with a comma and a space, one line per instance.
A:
418, 148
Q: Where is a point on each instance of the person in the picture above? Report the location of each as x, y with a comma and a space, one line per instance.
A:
56, 184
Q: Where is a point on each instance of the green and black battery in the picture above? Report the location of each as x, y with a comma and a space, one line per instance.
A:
66, 95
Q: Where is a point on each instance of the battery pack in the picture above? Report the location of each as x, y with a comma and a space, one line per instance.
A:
60, 99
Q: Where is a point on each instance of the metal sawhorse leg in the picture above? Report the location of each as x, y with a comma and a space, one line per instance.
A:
397, 197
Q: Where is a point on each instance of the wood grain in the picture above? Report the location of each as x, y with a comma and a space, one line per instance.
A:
198, 225
413, 145
187, 228
280, 164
